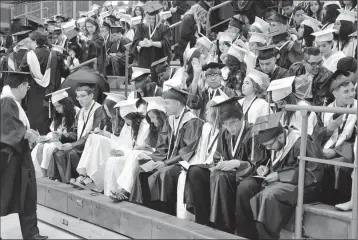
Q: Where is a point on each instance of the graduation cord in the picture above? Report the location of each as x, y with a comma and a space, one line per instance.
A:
88, 116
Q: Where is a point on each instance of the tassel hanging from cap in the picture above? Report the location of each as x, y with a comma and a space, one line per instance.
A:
49, 108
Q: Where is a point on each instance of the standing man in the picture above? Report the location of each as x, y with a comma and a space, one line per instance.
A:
17, 174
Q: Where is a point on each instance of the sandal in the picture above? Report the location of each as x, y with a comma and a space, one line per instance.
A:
114, 197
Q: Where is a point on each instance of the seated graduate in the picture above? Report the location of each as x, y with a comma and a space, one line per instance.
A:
18, 181
210, 189
67, 156
268, 57
213, 82
178, 141
143, 86
264, 203
325, 41
204, 154
97, 148
282, 93
206, 48
253, 88
161, 71
62, 124
121, 171
336, 138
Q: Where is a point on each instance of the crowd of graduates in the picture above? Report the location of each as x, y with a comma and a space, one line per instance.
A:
204, 134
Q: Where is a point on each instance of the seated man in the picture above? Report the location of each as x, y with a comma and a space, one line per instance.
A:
337, 137
213, 82
234, 160
117, 52
67, 157
161, 71
268, 57
178, 141
143, 85
315, 75
264, 204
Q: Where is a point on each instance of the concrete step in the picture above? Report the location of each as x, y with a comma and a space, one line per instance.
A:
128, 219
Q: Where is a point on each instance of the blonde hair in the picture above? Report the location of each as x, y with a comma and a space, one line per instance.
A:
23, 43
195, 10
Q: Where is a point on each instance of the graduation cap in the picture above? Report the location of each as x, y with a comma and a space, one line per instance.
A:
58, 48
345, 15
258, 37
261, 24
113, 17
58, 95
280, 88
312, 22
114, 97
327, 3
280, 18
126, 18
155, 103
268, 127
237, 52
212, 65
33, 22
136, 20
324, 36
204, 5
160, 63
258, 77
165, 15
337, 81
226, 36
152, 8
104, 14
127, 106
237, 21
205, 42
116, 29
353, 34
176, 93
60, 17
95, 7
27, 28
137, 72
13, 76
224, 100
188, 53
22, 35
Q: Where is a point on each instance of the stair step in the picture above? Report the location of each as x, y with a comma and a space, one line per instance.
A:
328, 211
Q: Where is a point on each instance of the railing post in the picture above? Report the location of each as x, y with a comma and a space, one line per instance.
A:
354, 223
208, 30
301, 176
126, 73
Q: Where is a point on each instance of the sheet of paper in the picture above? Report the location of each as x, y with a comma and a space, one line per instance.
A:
258, 176
148, 166
184, 164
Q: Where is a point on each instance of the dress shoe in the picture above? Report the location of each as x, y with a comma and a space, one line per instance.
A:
38, 237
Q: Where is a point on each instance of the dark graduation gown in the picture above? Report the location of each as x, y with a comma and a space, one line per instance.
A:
65, 162
289, 54
95, 48
211, 195
116, 65
188, 27
278, 73
199, 99
263, 209
147, 55
182, 7
17, 173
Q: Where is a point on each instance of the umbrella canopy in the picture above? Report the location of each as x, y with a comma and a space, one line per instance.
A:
86, 75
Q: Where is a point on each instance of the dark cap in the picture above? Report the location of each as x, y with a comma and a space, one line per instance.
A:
268, 127
213, 65
22, 34
280, 18
18, 77
204, 5
348, 64
176, 93
152, 8
25, 28
116, 29
61, 17
160, 61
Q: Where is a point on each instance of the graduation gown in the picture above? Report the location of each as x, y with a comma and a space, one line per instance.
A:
258, 107
278, 73
331, 62
152, 90
116, 64
188, 27
17, 174
211, 195
290, 53
95, 48
145, 56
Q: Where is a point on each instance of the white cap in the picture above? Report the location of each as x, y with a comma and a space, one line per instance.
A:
220, 98
81, 21
137, 72
312, 22
94, 7
258, 37
188, 52
114, 97
68, 26
345, 15
237, 52
165, 15
90, 13
58, 48
127, 106
58, 95
104, 14
226, 36
126, 18
281, 88
136, 20
258, 77
177, 80
261, 24
326, 3
155, 103
324, 36
205, 42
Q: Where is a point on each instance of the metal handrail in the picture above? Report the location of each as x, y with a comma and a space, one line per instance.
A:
302, 164
26, 13
209, 14
218, 24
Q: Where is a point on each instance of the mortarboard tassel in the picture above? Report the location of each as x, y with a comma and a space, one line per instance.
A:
49, 108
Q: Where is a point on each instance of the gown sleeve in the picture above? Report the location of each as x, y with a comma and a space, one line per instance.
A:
12, 128
166, 34
161, 151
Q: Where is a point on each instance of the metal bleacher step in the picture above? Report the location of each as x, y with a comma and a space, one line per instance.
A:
321, 221
128, 219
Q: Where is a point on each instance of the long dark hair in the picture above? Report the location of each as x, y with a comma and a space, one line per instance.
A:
345, 30
290, 99
141, 10
69, 113
237, 73
154, 131
136, 119
331, 14
190, 70
309, 39
94, 23
319, 12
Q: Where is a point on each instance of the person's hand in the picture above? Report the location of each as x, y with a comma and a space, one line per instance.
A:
117, 153
262, 170
329, 153
158, 165
149, 43
196, 65
226, 166
334, 124
32, 136
272, 177
84, 38
66, 147
174, 9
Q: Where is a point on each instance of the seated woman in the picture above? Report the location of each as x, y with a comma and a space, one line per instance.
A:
63, 122
282, 94
121, 171
97, 147
204, 155
253, 87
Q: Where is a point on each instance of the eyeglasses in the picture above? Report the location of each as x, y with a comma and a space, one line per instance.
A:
315, 64
212, 75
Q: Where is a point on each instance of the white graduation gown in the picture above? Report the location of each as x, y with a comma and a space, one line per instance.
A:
331, 62
257, 108
122, 169
202, 156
